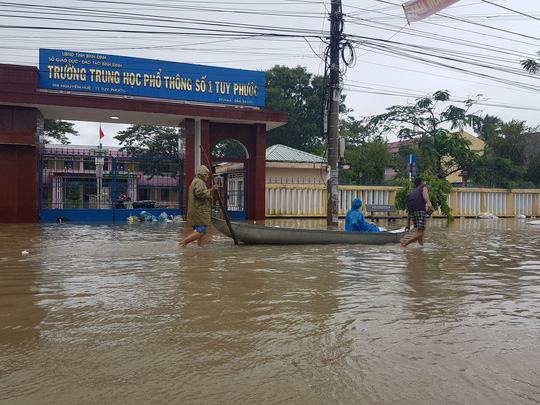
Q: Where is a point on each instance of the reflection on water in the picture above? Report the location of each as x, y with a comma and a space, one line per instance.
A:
119, 314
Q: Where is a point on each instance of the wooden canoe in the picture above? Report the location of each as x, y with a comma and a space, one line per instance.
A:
260, 234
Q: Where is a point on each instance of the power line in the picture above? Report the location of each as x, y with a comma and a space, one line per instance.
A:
511, 9
440, 53
473, 23
183, 20
102, 12
507, 87
439, 37
455, 100
461, 29
407, 56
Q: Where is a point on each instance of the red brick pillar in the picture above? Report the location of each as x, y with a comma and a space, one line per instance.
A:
189, 159
206, 152
257, 176
18, 164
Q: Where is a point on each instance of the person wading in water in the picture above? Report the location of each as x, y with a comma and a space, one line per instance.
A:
199, 204
419, 207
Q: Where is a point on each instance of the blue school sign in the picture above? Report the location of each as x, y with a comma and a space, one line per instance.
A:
125, 76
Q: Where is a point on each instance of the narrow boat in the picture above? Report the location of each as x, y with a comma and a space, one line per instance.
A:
276, 235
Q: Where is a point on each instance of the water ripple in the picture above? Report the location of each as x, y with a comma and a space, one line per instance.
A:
121, 314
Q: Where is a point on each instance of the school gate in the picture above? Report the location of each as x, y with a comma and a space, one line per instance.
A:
89, 184
24, 106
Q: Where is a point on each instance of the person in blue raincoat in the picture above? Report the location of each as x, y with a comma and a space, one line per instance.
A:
355, 220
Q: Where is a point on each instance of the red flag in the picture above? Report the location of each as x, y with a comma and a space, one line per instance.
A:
416, 10
101, 134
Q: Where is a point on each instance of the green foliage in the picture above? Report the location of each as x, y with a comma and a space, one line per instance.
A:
72, 197
508, 142
355, 132
494, 171
503, 163
429, 122
489, 128
58, 130
300, 94
533, 170
439, 190
149, 140
531, 65
229, 148
368, 162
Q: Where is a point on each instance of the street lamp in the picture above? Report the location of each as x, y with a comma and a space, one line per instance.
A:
100, 161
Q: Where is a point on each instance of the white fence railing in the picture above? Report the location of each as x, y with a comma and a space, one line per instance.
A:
309, 200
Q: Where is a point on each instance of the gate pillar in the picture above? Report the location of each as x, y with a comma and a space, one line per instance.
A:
253, 137
257, 175
18, 164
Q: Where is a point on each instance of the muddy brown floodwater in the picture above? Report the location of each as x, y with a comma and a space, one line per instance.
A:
121, 315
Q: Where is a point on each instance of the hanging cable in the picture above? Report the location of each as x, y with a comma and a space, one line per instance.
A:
511, 9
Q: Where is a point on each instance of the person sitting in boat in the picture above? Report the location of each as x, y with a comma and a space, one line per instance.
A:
355, 220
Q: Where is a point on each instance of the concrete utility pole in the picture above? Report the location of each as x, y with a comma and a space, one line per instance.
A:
336, 26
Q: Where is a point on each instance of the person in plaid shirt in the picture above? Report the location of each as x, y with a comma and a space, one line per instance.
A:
419, 207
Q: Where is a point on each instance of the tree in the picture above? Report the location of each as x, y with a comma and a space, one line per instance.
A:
300, 94
503, 162
149, 140
431, 124
229, 148
533, 170
490, 128
355, 132
509, 142
495, 171
531, 65
368, 162
58, 129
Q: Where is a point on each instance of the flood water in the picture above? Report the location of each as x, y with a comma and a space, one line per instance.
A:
121, 315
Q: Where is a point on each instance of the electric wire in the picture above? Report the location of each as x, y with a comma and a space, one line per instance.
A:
472, 23
511, 9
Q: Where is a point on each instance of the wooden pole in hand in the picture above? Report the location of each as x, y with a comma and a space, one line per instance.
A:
220, 200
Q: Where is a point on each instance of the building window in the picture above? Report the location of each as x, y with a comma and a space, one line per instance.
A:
144, 194
68, 164
89, 164
164, 194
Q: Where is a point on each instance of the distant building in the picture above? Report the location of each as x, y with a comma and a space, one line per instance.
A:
69, 179
284, 165
455, 178
288, 165
394, 147
477, 145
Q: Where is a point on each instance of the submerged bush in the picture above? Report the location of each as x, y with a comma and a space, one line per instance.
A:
439, 190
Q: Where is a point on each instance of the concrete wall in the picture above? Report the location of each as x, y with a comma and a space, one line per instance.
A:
18, 164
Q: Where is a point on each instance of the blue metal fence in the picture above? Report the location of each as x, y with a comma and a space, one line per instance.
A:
106, 185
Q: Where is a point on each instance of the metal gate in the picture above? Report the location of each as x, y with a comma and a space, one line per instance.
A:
235, 187
106, 185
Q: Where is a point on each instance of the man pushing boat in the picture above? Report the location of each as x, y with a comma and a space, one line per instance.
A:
199, 205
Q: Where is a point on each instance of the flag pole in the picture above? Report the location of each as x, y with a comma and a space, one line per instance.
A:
99, 168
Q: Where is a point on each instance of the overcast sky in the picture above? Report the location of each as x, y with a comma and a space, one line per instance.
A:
472, 49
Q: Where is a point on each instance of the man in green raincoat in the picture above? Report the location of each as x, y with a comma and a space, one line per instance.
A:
199, 204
